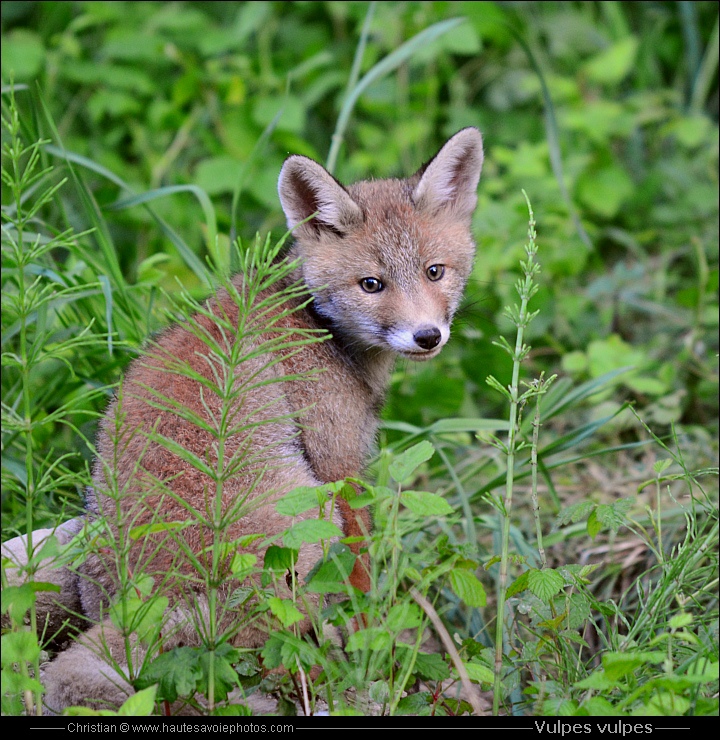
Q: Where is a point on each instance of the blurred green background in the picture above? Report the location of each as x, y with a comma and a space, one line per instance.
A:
606, 113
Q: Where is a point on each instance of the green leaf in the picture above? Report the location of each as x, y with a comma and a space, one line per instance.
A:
18, 647
331, 576
612, 65
242, 564
519, 585
370, 638
605, 190
300, 500
479, 672
423, 503
575, 512
224, 675
467, 587
17, 600
406, 463
280, 559
145, 617
23, 55
545, 583
618, 665
597, 681
594, 525
403, 616
285, 611
452, 426
431, 667
176, 672
310, 530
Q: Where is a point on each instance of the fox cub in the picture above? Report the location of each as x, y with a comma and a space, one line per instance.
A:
385, 263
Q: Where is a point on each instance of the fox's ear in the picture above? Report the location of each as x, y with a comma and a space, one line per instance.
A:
450, 179
305, 187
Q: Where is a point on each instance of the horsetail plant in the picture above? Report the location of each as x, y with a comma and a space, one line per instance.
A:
521, 317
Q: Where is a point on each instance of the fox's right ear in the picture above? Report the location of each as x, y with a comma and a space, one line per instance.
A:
305, 187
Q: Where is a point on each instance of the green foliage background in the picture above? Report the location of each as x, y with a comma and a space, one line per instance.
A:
606, 113
169, 123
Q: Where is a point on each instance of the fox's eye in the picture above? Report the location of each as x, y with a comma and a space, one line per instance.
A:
435, 272
371, 285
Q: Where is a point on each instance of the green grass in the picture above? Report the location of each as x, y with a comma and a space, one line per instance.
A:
147, 134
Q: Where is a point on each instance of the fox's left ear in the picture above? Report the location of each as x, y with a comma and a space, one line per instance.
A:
450, 179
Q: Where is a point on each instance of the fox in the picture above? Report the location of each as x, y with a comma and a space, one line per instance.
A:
383, 265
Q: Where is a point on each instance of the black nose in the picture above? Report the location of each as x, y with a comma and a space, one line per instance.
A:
427, 338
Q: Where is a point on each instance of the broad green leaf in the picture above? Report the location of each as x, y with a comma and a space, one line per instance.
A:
138, 533
311, 530
403, 616
225, 678
431, 667
545, 583
331, 576
176, 672
242, 563
613, 64
467, 587
479, 672
618, 665
280, 558
518, 585
299, 500
19, 647
423, 503
285, 611
17, 600
371, 638
594, 525
407, 462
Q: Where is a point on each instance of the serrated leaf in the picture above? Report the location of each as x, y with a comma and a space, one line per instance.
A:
431, 667
662, 465
285, 611
17, 600
575, 512
416, 705
299, 500
545, 583
310, 530
423, 503
144, 617
407, 462
176, 672
225, 679
467, 587
479, 672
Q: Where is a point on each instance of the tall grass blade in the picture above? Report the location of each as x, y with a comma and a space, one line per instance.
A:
391, 62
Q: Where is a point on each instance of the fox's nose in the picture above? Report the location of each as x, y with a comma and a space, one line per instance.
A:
427, 338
